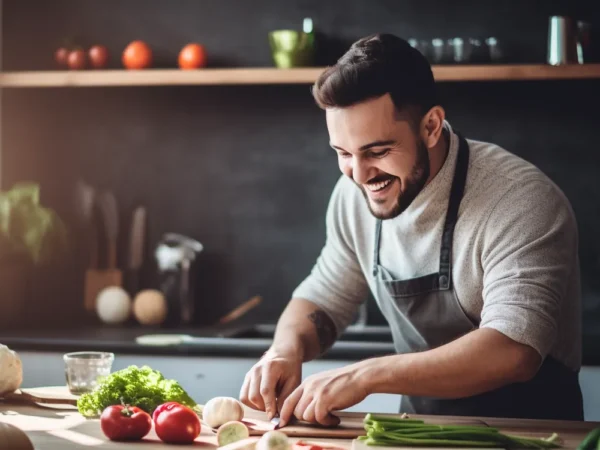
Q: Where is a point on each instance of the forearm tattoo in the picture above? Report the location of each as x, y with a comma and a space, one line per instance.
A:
325, 329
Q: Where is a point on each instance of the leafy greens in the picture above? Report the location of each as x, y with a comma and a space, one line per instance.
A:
143, 387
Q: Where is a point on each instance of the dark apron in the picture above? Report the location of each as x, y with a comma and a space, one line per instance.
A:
424, 313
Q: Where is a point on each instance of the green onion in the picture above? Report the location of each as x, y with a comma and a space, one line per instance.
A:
394, 431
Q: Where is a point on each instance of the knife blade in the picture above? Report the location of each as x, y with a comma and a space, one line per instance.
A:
277, 421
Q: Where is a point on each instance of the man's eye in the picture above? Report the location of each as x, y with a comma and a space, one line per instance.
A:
344, 154
381, 153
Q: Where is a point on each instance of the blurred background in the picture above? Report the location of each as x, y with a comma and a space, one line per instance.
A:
245, 169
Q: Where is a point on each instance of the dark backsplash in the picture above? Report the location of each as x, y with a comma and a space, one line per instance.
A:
247, 169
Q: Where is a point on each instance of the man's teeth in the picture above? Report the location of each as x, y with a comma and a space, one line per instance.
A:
374, 187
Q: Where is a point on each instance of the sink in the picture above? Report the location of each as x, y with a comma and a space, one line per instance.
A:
354, 333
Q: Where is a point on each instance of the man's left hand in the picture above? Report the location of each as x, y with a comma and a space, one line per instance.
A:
320, 394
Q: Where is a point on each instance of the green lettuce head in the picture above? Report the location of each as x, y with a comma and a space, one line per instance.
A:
27, 228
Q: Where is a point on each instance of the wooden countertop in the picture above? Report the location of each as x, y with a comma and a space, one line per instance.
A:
56, 427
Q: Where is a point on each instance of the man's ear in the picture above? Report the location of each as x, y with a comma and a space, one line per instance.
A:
432, 126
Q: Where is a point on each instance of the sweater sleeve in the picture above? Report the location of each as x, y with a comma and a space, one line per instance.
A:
336, 283
529, 253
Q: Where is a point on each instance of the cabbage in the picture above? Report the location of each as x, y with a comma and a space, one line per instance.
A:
11, 371
27, 228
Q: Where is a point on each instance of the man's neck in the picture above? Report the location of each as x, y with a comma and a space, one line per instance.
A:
438, 154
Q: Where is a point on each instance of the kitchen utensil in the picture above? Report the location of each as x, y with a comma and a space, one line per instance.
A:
97, 278
438, 51
137, 236
460, 49
175, 255
494, 49
291, 48
584, 42
164, 339
241, 310
85, 197
110, 217
83, 370
562, 41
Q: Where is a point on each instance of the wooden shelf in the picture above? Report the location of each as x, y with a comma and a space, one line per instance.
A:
160, 77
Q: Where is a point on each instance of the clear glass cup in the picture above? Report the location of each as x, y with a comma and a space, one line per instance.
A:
83, 370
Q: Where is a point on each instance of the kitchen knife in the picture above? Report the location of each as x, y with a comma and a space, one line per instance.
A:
97, 278
137, 237
110, 216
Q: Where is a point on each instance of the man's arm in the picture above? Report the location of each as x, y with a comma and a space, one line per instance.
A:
480, 361
303, 330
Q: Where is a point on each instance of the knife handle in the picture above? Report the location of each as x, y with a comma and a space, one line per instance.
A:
133, 282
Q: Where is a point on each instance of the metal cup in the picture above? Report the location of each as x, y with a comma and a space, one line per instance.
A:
562, 41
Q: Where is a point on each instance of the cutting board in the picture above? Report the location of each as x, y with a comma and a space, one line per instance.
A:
360, 445
350, 427
57, 396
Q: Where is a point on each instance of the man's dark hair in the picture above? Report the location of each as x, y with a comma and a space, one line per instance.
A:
374, 66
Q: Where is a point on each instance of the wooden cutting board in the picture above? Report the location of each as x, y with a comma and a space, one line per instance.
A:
360, 445
57, 396
350, 427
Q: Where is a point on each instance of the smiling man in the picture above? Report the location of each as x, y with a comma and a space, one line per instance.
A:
470, 253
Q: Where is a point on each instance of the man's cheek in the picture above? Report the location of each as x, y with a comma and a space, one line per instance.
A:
345, 166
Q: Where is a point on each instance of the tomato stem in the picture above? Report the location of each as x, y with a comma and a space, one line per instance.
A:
126, 411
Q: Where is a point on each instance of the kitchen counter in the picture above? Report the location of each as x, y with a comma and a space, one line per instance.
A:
50, 428
207, 341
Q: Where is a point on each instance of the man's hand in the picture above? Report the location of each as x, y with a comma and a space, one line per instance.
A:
320, 394
271, 381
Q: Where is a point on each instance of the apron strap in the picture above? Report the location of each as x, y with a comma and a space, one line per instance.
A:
377, 239
456, 193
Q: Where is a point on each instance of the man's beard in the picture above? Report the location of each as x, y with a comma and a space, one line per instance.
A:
411, 188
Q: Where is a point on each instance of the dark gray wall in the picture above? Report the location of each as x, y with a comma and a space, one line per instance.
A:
247, 170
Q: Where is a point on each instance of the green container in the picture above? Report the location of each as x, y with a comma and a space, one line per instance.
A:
291, 48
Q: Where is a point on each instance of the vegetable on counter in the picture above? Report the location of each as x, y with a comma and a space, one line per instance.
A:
11, 370
232, 432
591, 441
274, 440
391, 431
176, 424
220, 410
125, 423
142, 387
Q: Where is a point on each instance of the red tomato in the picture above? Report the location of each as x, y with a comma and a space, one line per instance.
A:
192, 56
77, 60
61, 55
125, 423
160, 408
98, 55
137, 55
176, 424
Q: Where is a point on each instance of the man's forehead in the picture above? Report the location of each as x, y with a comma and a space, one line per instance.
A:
360, 124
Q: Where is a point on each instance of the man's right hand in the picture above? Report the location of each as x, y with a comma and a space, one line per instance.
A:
271, 381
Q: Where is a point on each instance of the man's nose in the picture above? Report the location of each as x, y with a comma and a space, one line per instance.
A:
360, 171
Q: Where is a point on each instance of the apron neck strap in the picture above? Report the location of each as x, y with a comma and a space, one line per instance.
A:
456, 192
